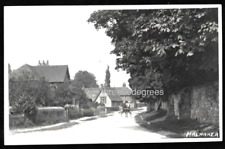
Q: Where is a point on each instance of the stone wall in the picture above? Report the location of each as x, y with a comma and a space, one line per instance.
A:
205, 104
201, 103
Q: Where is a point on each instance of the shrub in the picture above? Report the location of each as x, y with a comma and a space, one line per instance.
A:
27, 92
16, 120
30, 113
113, 109
100, 110
50, 115
72, 112
88, 112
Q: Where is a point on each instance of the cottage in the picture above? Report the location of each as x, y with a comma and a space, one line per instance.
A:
51, 73
126, 95
111, 96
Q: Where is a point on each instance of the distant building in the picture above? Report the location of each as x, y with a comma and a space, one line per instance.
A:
126, 95
50, 73
110, 96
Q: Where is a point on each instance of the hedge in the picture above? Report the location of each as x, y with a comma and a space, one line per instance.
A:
19, 121
113, 109
88, 112
16, 120
50, 115
73, 112
100, 110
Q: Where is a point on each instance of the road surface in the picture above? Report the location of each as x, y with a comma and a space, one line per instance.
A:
111, 129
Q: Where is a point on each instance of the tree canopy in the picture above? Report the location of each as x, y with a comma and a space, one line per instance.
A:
26, 92
85, 79
163, 48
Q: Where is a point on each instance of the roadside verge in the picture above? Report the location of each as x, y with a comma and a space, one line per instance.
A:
159, 122
59, 125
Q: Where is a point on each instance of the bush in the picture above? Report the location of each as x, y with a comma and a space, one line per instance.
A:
100, 110
113, 109
19, 121
30, 113
73, 112
16, 120
88, 112
50, 115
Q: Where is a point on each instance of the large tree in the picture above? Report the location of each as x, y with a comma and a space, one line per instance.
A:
67, 93
163, 48
85, 79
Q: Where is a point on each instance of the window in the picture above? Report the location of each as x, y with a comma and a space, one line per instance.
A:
103, 100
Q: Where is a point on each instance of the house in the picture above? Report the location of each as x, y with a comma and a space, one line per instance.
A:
126, 95
110, 96
51, 73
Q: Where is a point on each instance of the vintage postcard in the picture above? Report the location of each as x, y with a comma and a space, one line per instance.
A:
112, 74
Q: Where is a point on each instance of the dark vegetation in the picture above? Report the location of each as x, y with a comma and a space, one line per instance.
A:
157, 121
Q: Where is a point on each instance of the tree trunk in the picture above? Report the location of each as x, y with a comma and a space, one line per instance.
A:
148, 106
159, 105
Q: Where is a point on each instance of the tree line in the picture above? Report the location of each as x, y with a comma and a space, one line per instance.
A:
25, 92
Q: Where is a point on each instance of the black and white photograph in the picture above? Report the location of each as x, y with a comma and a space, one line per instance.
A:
112, 74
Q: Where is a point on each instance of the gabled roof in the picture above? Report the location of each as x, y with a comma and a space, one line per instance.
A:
50, 73
123, 91
112, 93
92, 93
55, 73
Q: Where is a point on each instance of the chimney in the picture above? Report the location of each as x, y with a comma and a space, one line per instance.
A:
43, 62
47, 63
39, 62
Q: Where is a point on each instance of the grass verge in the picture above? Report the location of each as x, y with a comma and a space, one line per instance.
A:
157, 121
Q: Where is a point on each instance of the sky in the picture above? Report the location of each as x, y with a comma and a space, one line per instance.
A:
61, 35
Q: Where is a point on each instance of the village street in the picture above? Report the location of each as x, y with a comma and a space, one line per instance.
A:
111, 129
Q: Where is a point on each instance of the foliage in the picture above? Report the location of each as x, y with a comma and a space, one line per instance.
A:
85, 79
88, 112
107, 77
19, 121
78, 93
73, 112
25, 92
49, 115
163, 48
9, 68
62, 94
113, 109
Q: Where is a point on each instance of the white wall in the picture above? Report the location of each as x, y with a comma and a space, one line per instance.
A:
108, 101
